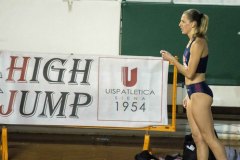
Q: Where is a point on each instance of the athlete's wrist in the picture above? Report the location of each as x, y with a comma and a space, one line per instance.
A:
172, 60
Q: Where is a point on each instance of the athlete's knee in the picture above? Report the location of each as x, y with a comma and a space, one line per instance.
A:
209, 138
198, 139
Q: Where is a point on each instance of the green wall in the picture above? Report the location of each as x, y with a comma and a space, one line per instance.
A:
149, 27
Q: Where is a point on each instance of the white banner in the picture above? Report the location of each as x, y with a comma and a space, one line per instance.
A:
82, 90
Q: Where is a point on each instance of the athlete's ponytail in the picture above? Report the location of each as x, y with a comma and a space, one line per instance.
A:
203, 26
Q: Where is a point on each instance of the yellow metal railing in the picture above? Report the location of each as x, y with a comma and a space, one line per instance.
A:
4, 144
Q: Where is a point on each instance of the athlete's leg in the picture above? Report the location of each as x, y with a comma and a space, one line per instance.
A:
202, 147
202, 115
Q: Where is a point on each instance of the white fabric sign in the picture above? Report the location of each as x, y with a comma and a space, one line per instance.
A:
82, 90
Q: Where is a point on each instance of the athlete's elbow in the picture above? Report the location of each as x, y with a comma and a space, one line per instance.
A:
189, 76
188, 73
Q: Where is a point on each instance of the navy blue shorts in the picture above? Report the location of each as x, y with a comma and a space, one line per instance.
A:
199, 87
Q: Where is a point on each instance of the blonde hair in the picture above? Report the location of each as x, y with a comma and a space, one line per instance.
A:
201, 20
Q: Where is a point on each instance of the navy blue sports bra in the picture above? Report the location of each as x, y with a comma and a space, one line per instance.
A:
202, 66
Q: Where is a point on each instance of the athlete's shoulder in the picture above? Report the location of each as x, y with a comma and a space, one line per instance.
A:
199, 43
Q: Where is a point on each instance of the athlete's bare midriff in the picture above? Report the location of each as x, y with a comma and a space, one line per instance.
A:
199, 77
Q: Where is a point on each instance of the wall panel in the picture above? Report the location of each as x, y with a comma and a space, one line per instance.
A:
149, 27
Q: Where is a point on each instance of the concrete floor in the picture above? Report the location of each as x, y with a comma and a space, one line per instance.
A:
36, 151
90, 147
28, 146
73, 143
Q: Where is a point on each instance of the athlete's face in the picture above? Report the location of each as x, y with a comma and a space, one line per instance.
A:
185, 24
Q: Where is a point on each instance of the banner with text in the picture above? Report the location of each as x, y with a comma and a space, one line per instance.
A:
82, 90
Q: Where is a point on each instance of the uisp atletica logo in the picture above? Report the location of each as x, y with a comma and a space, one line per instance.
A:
129, 82
130, 90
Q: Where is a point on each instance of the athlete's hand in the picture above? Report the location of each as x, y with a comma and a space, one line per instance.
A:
166, 55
